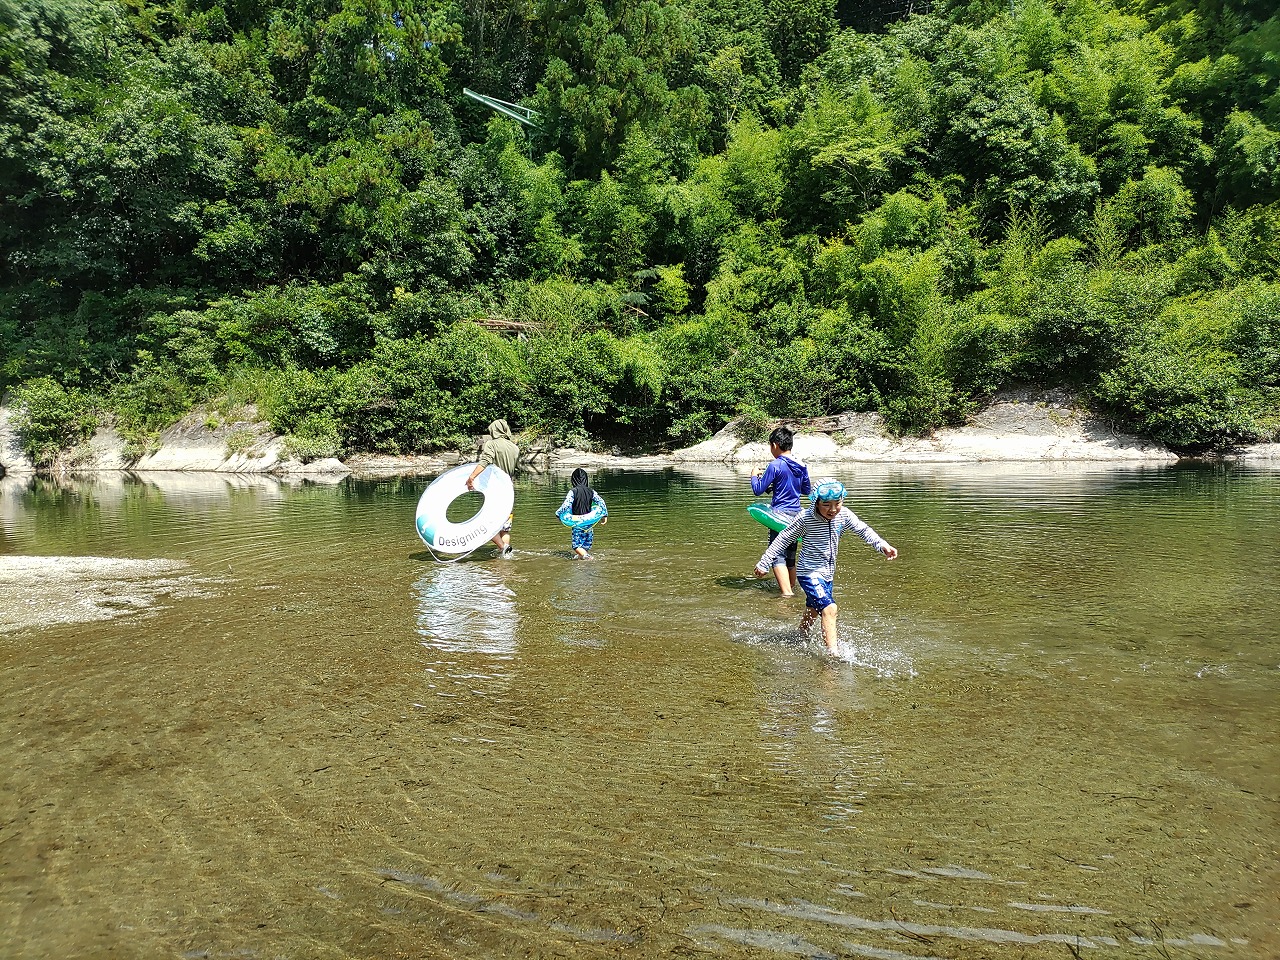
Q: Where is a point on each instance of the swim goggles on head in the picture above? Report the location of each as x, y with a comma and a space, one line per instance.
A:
828, 490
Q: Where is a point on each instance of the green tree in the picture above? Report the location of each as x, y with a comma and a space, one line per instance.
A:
50, 419
607, 71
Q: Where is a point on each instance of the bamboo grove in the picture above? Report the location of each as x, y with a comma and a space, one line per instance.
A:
723, 208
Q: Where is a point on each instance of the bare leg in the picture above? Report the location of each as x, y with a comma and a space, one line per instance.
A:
502, 541
791, 573
806, 621
582, 553
830, 635
783, 577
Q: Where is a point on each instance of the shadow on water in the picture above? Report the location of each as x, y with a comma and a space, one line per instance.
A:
573, 557
764, 584
485, 554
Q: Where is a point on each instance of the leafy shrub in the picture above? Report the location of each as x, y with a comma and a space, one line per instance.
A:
1255, 339
702, 383
917, 388
483, 377
633, 411
575, 377
154, 395
183, 341
243, 386
1181, 400
51, 418
1182, 383
242, 442
923, 401
1255, 334
316, 437
981, 349
835, 368
752, 425
295, 395
410, 395
390, 402
1154, 209
305, 324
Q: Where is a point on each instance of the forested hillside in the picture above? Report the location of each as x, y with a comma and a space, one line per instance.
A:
770, 208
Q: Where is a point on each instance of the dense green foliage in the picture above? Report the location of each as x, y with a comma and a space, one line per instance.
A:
50, 419
746, 207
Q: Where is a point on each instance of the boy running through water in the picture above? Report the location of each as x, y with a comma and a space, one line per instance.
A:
788, 478
819, 529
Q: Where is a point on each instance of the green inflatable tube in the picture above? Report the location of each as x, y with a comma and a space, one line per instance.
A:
763, 514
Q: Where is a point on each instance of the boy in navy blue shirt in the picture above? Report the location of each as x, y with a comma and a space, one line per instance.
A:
788, 478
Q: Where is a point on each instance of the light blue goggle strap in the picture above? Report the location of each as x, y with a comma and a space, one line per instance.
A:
828, 490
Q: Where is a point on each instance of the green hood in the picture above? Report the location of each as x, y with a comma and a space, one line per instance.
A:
500, 431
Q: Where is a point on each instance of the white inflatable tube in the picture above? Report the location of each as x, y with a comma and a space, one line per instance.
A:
440, 533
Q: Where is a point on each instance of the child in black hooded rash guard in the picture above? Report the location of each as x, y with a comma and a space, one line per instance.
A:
579, 502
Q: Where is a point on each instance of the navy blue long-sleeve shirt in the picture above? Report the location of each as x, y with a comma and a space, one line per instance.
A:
789, 480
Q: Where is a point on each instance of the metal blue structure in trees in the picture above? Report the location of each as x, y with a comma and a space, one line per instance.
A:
516, 112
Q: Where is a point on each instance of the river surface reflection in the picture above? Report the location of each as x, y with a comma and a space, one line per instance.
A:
1054, 730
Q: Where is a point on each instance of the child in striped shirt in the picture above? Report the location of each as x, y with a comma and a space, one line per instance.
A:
819, 530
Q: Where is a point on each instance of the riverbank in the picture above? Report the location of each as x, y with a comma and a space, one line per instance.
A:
1015, 427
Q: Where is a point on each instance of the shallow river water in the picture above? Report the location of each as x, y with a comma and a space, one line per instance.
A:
1054, 729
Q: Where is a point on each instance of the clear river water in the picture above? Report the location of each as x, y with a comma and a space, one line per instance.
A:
1053, 730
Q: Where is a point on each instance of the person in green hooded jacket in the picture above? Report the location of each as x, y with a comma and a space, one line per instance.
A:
500, 452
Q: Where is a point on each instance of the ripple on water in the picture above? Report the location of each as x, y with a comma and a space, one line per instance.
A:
868, 644
496, 903
801, 910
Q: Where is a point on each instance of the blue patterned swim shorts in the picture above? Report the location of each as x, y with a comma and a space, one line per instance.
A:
583, 537
817, 592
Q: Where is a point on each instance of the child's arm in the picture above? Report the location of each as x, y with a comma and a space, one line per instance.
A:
760, 482
873, 539
566, 506
597, 500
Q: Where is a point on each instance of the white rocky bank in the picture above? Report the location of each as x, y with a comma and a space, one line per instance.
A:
1026, 427
199, 442
1016, 427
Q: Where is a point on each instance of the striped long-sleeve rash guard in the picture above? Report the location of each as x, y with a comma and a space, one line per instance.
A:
820, 542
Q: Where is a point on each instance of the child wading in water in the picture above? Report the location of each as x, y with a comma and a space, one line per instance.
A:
788, 478
819, 530
578, 502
